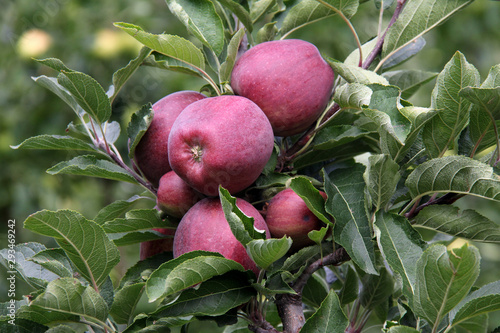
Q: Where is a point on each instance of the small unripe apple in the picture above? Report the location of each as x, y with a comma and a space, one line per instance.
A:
151, 154
150, 248
287, 214
288, 79
175, 196
205, 228
225, 140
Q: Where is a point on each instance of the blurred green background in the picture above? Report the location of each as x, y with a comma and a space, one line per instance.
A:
81, 34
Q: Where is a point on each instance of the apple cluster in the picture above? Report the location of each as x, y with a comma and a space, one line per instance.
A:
196, 143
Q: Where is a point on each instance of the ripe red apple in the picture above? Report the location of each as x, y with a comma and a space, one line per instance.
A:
150, 248
175, 196
288, 79
225, 140
205, 228
151, 153
287, 214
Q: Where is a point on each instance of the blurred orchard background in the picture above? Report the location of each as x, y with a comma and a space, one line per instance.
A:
81, 34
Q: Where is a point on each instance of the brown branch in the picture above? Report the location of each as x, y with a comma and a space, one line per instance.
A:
290, 305
446, 199
378, 47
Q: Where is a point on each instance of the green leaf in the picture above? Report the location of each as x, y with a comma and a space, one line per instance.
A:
350, 289
419, 117
381, 178
402, 329
267, 33
92, 166
54, 260
88, 93
201, 19
315, 291
187, 271
444, 278
125, 302
478, 324
54, 63
366, 48
352, 95
311, 196
52, 84
84, 241
135, 237
241, 13
55, 142
467, 224
317, 236
259, 8
376, 289
404, 53
442, 131
485, 299
68, 295
16, 258
61, 329
384, 111
232, 52
310, 11
493, 79
137, 220
161, 61
409, 80
121, 76
214, 297
337, 135
21, 326
138, 125
241, 225
328, 318
42, 316
417, 18
170, 45
116, 209
356, 74
488, 99
458, 174
346, 202
401, 247
141, 270
264, 252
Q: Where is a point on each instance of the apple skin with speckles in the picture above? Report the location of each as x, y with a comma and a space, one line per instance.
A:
175, 196
225, 140
205, 228
287, 214
288, 79
151, 154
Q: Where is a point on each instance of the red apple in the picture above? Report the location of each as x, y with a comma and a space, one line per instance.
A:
175, 196
225, 140
205, 228
287, 214
288, 79
151, 153
150, 248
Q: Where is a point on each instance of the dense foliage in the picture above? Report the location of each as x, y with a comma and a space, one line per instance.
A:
392, 172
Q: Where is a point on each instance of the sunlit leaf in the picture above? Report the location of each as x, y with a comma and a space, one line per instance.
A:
345, 189
444, 278
328, 318
443, 130
186, 271
169, 45
467, 224
201, 19
84, 241
89, 165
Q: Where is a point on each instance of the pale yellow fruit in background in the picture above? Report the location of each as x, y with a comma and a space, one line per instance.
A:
33, 43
